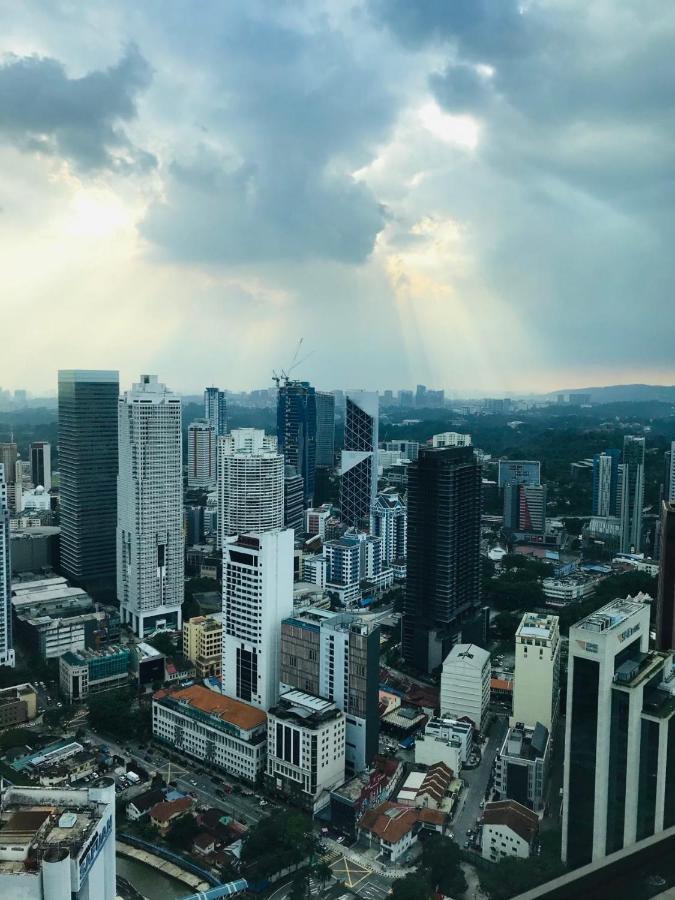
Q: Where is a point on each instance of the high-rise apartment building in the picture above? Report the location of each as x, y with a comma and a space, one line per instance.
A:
215, 410
536, 683
665, 602
297, 430
632, 492
388, 521
294, 509
443, 552
6, 641
250, 484
606, 483
358, 466
525, 508
201, 449
325, 429
150, 567
41, 464
88, 463
336, 655
519, 471
257, 596
619, 781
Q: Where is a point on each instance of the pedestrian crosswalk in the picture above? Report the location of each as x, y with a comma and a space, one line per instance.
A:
330, 857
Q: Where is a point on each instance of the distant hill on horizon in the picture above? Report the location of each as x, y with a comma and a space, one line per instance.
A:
624, 393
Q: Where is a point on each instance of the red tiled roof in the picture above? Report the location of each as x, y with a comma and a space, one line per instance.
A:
168, 809
513, 815
389, 821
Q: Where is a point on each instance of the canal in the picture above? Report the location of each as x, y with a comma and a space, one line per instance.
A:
152, 884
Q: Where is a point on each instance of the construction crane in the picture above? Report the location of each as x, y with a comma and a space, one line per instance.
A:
283, 374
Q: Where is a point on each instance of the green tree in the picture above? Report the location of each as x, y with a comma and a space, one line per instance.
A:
182, 833
505, 625
277, 841
300, 885
440, 863
322, 872
116, 713
412, 887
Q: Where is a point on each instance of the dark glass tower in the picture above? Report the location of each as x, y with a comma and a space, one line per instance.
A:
358, 461
325, 429
88, 477
296, 430
443, 555
665, 601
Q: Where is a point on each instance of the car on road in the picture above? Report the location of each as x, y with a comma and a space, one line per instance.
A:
467, 844
262, 803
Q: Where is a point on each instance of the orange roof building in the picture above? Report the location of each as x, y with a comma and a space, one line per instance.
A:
165, 812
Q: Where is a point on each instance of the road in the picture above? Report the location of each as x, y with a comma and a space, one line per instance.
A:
476, 782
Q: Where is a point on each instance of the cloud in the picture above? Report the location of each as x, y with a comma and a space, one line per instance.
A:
42, 110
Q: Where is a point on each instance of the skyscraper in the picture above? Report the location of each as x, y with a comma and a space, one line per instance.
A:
215, 410
297, 430
443, 555
632, 492
669, 474
325, 429
41, 464
525, 508
620, 726
6, 642
519, 471
293, 501
150, 567
88, 476
257, 595
250, 484
201, 455
8, 459
358, 465
606, 493
389, 521
665, 601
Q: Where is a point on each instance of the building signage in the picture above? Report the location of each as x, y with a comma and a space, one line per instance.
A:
627, 633
93, 848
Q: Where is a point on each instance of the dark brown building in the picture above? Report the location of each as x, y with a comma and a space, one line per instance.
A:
665, 603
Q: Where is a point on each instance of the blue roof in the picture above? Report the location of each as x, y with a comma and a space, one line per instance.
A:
298, 624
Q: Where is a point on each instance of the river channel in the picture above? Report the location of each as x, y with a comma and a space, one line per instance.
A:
152, 884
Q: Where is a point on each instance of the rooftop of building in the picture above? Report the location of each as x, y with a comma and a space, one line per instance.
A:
613, 615
468, 655
306, 709
389, 821
525, 743
640, 667
540, 626
35, 821
513, 815
216, 704
166, 810
80, 657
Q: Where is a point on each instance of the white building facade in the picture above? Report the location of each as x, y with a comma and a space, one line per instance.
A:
150, 567
388, 521
257, 595
451, 439
6, 642
250, 484
444, 740
536, 688
465, 683
201, 471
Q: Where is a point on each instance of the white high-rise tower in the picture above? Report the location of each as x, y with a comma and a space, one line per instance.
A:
257, 595
6, 645
150, 507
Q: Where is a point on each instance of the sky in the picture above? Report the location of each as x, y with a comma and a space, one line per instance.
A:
476, 195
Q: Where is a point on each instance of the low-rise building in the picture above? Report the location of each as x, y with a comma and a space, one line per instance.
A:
48, 597
350, 800
521, 766
147, 664
430, 789
58, 843
166, 812
203, 644
444, 740
140, 806
208, 725
305, 749
391, 828
85, 672
501, 689
570, 588
18, 704
50, 637
509, 829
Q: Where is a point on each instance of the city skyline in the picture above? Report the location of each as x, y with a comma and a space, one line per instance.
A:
256, 174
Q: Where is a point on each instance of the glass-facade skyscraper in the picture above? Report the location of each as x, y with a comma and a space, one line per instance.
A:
358, 462
296, 430
88, 476
632, 493
443, 552
6, 643
325, 429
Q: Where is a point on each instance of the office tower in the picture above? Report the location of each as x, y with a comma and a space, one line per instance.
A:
389, 521
250, 484
194, 525
443, 552
8, 459
59, 842
388, 398
665, 602
294, 502
297, 430
88, 476
536, 690
606, 493
620, 728
519, 471
451, 439
150, 567
41, 464
358, 466
257, 596
6, 641
406, 398
406, 449
336, 655
215, 410
325, 429
632, 493
201, 455
669, 475
465, 684
525, 508
421, 395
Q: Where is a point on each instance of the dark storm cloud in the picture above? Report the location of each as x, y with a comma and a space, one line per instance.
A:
294, 114
43, 110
